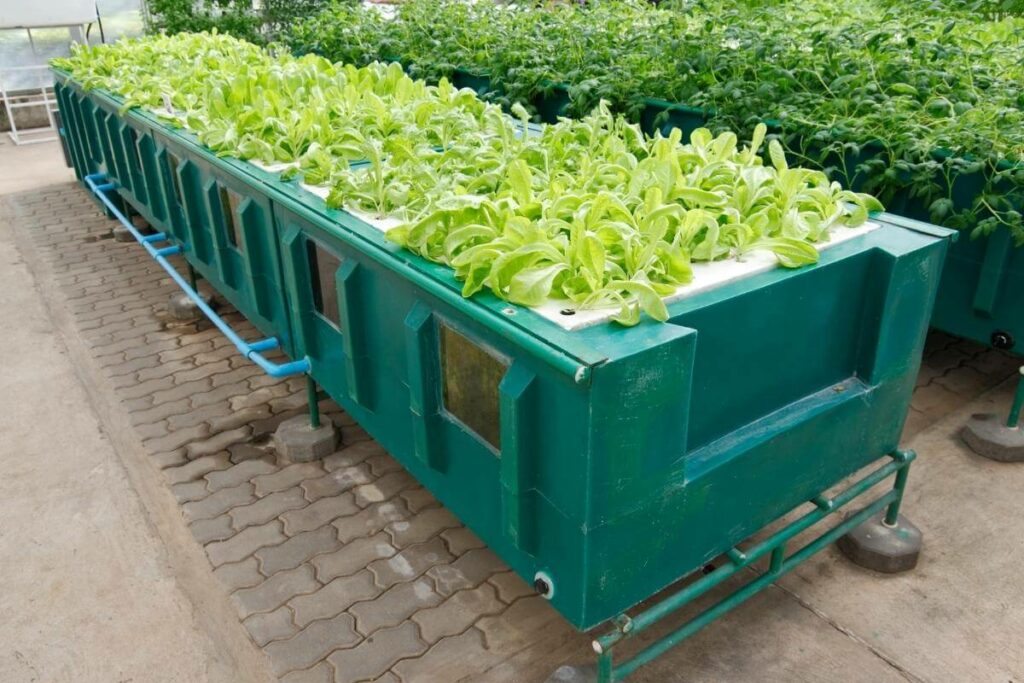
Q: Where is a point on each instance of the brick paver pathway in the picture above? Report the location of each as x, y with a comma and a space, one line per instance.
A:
345, 569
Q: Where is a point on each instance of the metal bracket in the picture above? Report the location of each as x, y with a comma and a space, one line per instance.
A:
97, 182
742, 561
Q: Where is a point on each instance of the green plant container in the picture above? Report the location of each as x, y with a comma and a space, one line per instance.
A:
981, 296
214, 208
608, 461
552, 102
479, 84
614, 461
659, 115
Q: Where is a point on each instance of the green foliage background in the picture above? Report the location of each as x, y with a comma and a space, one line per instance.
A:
913, 100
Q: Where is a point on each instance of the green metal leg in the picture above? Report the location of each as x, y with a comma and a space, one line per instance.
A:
892, 513
779, 564
1018, 403
193, 277
314, 402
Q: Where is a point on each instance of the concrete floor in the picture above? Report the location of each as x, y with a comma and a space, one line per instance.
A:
100, 581
88, 591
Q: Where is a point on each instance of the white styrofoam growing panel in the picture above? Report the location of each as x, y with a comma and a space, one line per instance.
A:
706, 276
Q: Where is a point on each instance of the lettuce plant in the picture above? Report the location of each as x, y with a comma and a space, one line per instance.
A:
590, 211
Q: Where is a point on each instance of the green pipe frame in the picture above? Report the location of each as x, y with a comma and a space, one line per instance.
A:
778, 565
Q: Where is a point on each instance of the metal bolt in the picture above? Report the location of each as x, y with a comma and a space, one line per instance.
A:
1002, 340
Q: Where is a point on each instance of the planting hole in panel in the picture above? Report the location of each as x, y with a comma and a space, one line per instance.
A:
229, 203
470, 377
172, 163
323, 267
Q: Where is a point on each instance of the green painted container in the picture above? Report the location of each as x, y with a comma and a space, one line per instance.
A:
480, 84
214, 208
981, 296
659, 115
609, 461
552, 102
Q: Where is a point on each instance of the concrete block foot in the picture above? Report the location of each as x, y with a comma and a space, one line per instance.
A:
184, 309
889, 549
989, 437
296, 440
574, 674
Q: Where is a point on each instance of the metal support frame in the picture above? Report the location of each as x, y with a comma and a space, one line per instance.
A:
41, 96
1013, 421
779, 564
100, 186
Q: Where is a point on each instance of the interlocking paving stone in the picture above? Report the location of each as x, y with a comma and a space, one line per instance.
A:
268, 626
243, 452
410, 563
312, 644
422, 527
522, 624
245, 543
267, 508
374, 656
178, 438
371, 520
334, 598
218, 503
219, 423
456, 658
336, 482
275, 591
316, 515
218, 442
238, 474
510, 587
419, 499
321, 673
382, 489
352, 454
387, 678
157, 413
204, 370
382, 463
468, 571
457, 613
168, 459
298, 550
257, 397
243, 574
394, 605
353, 556
197, 469
461, 539
189, 491
286, 477
209, 530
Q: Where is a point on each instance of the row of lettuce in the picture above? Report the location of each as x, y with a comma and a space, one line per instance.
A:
590, 211
917, 102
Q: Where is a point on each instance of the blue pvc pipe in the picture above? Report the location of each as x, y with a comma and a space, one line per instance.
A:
251, 351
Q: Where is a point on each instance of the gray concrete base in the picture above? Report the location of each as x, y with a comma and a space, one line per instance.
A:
574, 674
122, 234
184, 309
297, 441
989, 437
887, 549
